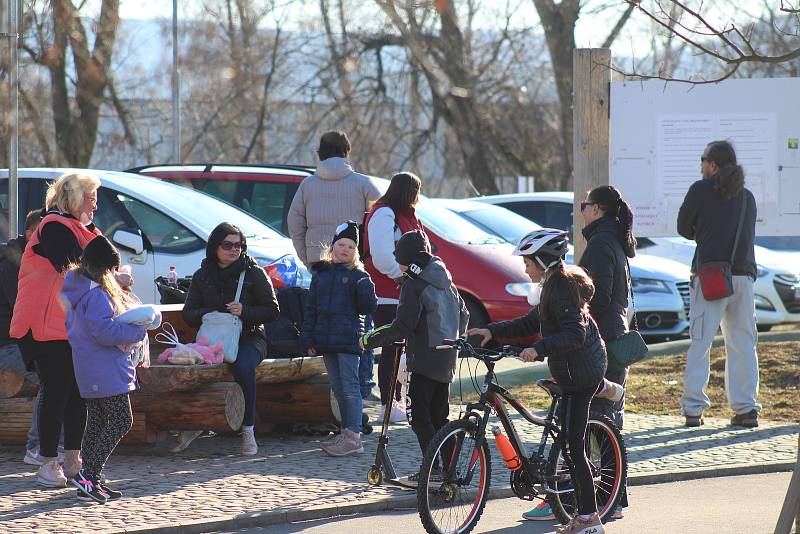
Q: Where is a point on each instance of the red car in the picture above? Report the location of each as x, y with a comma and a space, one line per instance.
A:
492, 282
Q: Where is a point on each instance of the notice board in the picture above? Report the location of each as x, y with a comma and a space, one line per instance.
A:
659, 131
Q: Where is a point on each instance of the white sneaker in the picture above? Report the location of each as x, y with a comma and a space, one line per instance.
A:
249, 444
185, 438
350, 444
398, 414
51, 475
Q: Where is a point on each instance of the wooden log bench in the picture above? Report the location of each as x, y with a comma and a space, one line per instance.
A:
193, 397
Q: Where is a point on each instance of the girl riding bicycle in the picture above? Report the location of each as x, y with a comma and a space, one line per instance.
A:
571, 343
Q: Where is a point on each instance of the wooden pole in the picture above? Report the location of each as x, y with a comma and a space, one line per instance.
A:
791, 504
591, 128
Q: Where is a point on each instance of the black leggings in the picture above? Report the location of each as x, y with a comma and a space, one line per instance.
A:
575, 414
385, 315
61, 403
109, 419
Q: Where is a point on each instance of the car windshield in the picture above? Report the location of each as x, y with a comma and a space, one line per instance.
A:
204, 210
451, 227
501, 222
779, 242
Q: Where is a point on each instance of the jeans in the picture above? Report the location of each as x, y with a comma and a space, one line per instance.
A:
366, 364
244, 372
11, 360
343, 373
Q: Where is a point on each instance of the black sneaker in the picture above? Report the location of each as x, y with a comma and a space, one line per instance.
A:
112, 495
694, 420
87, 490
366, 428
747, 420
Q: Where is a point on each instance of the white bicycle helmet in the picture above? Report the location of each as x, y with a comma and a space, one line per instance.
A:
544, 241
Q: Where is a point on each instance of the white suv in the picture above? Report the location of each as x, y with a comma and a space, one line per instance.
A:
154, 224
777, 288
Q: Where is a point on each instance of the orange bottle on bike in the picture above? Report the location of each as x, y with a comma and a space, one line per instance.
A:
506, 450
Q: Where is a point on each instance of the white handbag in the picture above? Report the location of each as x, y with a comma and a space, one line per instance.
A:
225, 328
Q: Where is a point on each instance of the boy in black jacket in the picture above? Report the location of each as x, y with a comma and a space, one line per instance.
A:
430, 311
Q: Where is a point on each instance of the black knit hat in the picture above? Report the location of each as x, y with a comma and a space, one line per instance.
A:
100, 256
347, 229
409, 247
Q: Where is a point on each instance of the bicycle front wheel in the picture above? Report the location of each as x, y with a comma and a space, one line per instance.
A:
454, 480
605, 449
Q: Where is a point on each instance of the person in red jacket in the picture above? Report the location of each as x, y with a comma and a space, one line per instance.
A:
390, 217
39, 318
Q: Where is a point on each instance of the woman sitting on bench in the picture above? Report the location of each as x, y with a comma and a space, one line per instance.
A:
213, 289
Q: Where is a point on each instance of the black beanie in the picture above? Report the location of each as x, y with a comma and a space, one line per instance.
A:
409, 247
100, 255
349, 230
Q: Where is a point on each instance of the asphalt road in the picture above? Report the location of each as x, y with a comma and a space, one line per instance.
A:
740, 504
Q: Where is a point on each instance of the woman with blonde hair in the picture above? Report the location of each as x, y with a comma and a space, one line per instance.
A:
39, 318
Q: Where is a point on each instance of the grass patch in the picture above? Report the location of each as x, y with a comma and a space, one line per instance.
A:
655, 386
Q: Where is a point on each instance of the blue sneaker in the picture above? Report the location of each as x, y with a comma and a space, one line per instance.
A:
540, 512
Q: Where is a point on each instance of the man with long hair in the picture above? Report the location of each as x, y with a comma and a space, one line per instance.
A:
710, 216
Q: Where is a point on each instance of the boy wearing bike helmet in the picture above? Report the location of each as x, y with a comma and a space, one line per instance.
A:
430, 310
571, 342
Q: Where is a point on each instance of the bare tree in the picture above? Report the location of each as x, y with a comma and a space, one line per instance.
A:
77, 85
727, 44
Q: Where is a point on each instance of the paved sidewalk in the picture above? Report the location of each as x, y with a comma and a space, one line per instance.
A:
210, 487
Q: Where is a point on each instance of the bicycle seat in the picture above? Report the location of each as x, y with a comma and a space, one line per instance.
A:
551, 387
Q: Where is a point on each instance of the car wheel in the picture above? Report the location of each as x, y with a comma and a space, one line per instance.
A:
477, 314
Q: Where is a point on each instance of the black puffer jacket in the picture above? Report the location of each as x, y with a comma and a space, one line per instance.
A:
212, 288
605, 261
571, 342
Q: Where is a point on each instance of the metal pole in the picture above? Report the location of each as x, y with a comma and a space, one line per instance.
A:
13, 11
176, 89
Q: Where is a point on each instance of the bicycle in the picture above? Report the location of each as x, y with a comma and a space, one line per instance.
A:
452, 494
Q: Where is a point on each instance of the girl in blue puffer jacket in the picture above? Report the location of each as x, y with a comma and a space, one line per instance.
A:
341, 294
101, 355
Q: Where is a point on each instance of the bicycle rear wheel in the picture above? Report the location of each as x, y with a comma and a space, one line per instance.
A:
454, 480
608, 461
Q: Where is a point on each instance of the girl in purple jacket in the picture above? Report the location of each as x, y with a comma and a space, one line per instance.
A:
103, 370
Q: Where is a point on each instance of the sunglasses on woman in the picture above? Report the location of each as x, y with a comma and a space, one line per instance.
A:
228, 245
584, 205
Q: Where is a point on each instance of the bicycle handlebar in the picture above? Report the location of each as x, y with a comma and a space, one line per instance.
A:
490, 355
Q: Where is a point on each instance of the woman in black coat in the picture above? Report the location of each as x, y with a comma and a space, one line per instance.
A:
608, 223
213, 288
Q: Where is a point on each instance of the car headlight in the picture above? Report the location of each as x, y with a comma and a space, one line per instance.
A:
519, 289
761, 271
649, 285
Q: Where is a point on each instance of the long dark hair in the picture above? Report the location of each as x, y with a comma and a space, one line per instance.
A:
610, 201
565, 282
403, 192
218, 234
731, 175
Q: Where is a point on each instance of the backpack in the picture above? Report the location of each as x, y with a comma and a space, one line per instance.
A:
363, 245
283, 334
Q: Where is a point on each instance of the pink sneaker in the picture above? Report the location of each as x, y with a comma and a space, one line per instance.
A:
51, 475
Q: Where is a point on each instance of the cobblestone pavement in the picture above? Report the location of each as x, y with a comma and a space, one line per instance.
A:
210, 481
